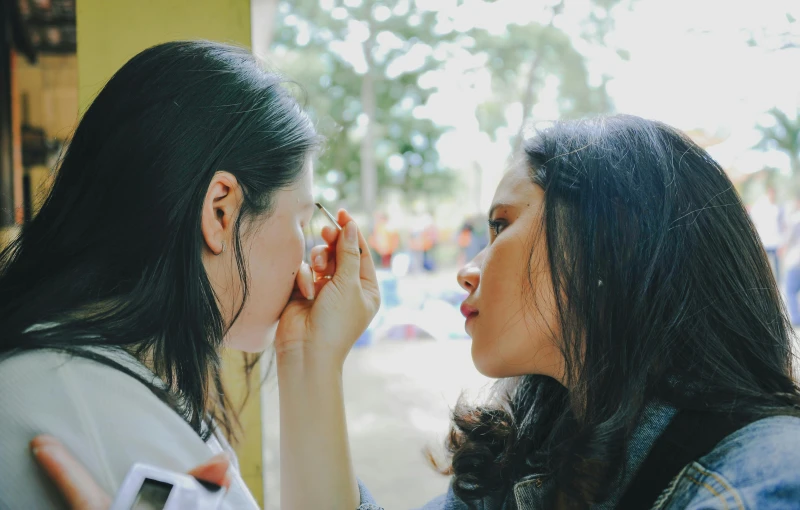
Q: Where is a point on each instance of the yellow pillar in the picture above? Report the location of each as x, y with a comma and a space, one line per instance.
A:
109, 33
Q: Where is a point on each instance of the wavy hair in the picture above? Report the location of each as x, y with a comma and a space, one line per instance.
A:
663, 293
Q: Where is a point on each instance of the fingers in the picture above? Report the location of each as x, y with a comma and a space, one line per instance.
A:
367, 270
214, 471
348, 257
322, 261
305, 281
330, 234
72, 479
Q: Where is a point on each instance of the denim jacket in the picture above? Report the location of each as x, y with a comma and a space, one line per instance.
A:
756, 467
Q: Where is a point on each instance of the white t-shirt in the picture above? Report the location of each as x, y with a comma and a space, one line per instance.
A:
107, 418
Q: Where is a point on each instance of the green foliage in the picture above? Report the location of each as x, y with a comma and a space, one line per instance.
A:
521, 60
309, 38
310, 46
783, 134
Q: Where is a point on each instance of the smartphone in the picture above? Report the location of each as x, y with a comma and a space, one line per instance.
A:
147, 487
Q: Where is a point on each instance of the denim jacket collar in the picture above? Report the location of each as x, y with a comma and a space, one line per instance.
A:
532, 492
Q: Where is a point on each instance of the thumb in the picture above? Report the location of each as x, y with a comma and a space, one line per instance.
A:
348, 257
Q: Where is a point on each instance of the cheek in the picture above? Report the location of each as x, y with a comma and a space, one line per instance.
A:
503, 280
287, 252
500, 304
273, 256
274, 262
515, 333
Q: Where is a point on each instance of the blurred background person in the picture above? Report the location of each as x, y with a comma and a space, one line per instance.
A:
384, 240
791, 262
465, 240
768, 219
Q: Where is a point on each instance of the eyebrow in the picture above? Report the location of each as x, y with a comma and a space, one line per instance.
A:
499, 205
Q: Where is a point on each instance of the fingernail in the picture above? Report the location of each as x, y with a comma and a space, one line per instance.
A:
319, 261
350, 231
310, 292
40, 443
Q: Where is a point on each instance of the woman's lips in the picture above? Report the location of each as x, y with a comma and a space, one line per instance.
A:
468, 311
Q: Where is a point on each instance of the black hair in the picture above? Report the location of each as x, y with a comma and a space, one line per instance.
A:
113, 258
688, 312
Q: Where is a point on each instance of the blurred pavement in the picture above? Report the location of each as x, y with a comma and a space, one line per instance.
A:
399, 395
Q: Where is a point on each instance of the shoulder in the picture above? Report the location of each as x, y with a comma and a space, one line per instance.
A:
773, 442
107, 418
45, 364
757, 466
44, 378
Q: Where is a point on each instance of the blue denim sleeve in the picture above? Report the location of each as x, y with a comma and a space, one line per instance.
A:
367, 501
444, 502
757, 467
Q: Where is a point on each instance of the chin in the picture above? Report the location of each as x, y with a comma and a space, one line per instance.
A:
254, 342
485, 364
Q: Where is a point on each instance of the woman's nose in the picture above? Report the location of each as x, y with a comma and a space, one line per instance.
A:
469, 276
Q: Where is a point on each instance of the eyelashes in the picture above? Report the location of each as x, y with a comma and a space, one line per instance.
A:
497, 226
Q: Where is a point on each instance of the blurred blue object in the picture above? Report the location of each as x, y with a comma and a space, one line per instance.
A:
366, 339
412, 311
390, 298
387, 281
454, 297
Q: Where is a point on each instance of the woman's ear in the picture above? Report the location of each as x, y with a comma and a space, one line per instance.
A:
220, 207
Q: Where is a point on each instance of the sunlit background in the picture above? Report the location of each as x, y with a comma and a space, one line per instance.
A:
423, 104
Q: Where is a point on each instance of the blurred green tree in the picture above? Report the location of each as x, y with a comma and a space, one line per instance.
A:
782, 133
360, 62
526, 56
779, 35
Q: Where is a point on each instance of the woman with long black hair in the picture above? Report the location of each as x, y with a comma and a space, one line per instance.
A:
630, 313
174, 229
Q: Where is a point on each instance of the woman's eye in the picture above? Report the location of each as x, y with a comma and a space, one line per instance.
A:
497, 226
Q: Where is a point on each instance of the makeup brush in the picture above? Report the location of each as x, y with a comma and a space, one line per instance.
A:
333, 219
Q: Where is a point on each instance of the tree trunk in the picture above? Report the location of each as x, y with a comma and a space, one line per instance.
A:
369, 170
527, 102
528, 94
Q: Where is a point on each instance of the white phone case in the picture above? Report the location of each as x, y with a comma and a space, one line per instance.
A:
147, 487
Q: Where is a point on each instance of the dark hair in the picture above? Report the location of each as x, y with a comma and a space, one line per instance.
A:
688, 312
113, 258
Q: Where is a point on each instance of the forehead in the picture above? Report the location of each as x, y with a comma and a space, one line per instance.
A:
299, 196
305, 184
515, 187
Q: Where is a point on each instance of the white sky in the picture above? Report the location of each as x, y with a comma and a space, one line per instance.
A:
690, 66
710, 80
